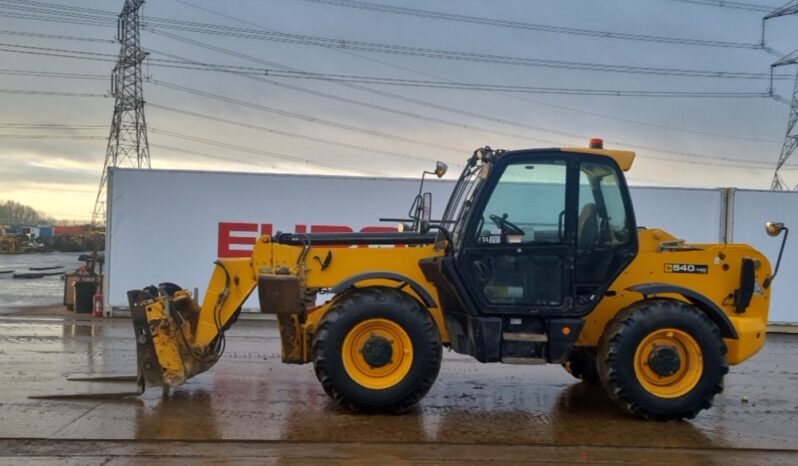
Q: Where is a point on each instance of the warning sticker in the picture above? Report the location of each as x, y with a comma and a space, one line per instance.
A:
687, 268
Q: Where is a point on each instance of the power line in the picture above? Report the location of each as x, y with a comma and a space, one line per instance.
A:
216, 157
53, 74
366, 46
30, 48
518, 25
302, 160
303, 117
51, 136
62, 7
719, 161
55, 126
62, 17
199, 66
59, 37
445, 108
55, 55
398, 97
325, 42
404, 113
739, 163
425, 103
49, 93
58, 9
56, 19
287, 133
730, 4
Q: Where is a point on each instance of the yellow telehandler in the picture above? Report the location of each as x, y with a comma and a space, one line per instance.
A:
537, 259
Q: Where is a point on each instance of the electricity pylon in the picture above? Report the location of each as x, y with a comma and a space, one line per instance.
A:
790, 138
127, 141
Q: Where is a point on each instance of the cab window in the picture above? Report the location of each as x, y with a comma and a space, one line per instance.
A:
603, 223
526, 206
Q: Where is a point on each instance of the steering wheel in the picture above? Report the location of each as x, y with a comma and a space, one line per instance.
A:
506, 226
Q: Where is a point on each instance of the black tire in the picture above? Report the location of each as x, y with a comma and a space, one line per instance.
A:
617, 352
582, 365
377, 303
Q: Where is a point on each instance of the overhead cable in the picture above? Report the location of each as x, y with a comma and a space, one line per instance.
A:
758, 7
58, 37
334, 43
449, 109
55, 126
290, 134
366, 46
519, 25
52, 74
462, 85
52, 136
303, 117
427, 103
217, 157
50, 93
271, 154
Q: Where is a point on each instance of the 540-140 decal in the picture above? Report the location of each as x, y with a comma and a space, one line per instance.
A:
687, 268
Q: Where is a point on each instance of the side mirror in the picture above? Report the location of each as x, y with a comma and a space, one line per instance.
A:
425, 209
440, 169
773, 228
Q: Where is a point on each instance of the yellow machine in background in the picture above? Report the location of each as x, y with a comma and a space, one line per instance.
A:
9, 244
538, 259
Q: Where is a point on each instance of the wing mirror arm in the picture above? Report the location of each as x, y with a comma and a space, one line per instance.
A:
421, 209
774, 229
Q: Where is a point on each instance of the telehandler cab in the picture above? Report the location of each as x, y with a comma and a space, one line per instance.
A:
537, 259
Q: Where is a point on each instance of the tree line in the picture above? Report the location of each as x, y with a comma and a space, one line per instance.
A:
12, 212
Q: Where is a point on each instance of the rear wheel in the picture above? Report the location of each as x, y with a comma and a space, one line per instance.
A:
662, 359
377, 349
582, 365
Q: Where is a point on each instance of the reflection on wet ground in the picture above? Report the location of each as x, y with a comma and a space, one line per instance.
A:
474, 413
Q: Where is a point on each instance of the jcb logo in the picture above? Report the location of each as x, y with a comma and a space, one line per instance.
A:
686, 268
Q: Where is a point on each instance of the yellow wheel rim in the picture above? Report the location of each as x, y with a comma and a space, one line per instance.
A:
684, 378
393, 361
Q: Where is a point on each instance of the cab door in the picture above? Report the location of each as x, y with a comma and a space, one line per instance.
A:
517, 254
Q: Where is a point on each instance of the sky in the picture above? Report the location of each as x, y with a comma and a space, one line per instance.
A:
52, 147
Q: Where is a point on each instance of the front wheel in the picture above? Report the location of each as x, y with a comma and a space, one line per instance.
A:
662, 359
377, 349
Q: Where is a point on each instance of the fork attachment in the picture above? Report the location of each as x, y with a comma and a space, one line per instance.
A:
148, 369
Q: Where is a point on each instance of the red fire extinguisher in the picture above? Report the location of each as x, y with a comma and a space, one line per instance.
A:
98, 304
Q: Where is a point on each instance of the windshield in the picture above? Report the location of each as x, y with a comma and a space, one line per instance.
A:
460, 201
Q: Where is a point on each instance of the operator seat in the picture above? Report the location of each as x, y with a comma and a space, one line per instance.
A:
592, 259
587, 227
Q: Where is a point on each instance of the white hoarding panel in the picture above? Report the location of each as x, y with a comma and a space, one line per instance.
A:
751, 210
172, 225
690, 214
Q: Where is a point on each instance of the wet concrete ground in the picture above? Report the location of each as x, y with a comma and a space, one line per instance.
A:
252, 409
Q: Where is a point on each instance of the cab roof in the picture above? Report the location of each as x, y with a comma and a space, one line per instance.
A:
623, 158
